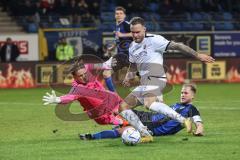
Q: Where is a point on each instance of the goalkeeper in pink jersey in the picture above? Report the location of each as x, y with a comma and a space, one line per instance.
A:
99, 103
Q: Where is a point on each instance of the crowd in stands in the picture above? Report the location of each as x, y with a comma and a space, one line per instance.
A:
76, 11
166, 7
100, 13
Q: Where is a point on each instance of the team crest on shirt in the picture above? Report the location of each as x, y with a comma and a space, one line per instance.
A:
175, 107
141, 54
181, 108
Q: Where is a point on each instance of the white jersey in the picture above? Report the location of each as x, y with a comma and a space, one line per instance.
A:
148, 55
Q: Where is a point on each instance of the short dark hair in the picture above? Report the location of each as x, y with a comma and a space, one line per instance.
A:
137, 20
192, 86
120, 8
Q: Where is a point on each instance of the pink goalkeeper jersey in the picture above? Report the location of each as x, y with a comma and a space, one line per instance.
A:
91, 95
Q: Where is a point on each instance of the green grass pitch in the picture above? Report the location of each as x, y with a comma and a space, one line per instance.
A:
26, 130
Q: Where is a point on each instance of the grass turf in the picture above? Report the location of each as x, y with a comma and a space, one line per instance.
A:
26, 130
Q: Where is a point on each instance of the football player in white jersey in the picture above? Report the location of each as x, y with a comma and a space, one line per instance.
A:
146, 56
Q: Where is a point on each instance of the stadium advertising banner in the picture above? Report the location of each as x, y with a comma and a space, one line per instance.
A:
196, 70
201, 42
175, 70
17, 75
46, 73
63, 75
83, 41
32, 74
217, 44
53, 73
27, 44
233, 70
227, 45
216, 70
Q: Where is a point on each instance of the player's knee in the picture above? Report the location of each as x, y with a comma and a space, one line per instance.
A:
131, 101
149, 99
147, 104
106, 74
123, 106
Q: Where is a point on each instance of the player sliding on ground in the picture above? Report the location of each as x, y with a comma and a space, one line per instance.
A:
159, 124
146, 56
99, 103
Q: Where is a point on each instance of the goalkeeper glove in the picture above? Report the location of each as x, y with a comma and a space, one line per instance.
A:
51, 98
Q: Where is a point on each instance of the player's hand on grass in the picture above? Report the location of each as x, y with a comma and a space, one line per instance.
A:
205, 58
51, 98
199, 129
197, 133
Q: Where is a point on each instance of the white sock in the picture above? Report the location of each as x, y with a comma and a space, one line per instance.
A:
133, 119
166, 110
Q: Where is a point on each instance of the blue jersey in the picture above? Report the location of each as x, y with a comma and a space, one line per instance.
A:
160, 124
123, 42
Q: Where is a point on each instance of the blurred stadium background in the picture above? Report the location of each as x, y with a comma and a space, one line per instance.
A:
208, 26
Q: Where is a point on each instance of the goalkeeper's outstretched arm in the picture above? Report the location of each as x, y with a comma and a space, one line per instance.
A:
53, 99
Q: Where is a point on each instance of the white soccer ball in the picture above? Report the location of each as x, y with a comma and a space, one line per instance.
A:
131, 136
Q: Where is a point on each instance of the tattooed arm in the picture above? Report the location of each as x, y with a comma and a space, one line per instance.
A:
187, 50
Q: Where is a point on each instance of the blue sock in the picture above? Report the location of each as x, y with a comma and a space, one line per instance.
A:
106, 134
110, 84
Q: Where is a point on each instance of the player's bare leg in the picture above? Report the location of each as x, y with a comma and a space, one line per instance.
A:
126, 112
152, 103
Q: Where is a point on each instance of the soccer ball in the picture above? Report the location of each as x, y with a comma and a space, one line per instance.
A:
131, 136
